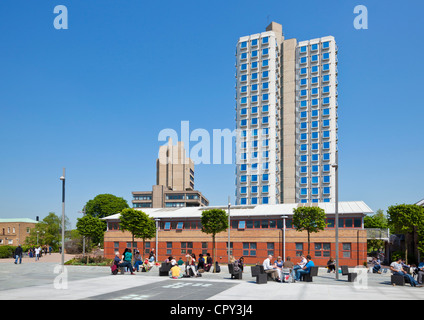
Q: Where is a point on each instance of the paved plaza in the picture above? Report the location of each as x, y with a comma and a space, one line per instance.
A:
42, 280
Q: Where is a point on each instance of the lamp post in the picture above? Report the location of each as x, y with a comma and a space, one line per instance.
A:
336, 167
63, 218
284, 237
83, 237
229, 227
157, 249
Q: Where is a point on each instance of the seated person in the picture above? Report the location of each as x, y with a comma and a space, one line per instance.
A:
175, 272
396, 268
208, 263
201, 262
270, 269
377, 265
306, 269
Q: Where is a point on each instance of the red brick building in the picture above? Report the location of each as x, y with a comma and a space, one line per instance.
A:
255, 232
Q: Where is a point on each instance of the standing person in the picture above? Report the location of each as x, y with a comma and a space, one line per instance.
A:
18, 254
396, 268
37, 253
50, 250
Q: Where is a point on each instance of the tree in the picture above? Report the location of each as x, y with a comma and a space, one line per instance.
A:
91, 227
377, 220
214, 221
139, 224
47, 231
407, 219
104, 205
309, 219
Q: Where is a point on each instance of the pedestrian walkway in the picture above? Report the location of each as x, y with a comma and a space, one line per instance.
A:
42, 280
51, 258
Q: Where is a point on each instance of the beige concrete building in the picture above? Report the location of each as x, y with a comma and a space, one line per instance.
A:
174, 181
14, 231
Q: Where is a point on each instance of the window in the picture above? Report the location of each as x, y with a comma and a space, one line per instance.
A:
254, 42
264, 51
270, 248
346, 250
314, 47
299, 249
322, 249
169, 248
264, 200
249, 249
186, 247
264, 74
254, 189
167, 226
302, 49
265, 189
180, 225
330, 223
241, 224
254, 53
264, 40
243, 44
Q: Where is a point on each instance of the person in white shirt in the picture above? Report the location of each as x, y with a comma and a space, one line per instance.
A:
268, 268
300, 265
37, 253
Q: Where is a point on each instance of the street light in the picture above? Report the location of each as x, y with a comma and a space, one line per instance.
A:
336, 167
157, 249
284, 237
229, 227
83, 237
63, 218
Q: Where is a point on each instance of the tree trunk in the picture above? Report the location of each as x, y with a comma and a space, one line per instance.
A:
213, 253
309, 242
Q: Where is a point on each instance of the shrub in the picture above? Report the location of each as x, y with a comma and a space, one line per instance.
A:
7, 251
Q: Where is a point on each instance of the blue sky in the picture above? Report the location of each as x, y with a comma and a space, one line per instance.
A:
94, 98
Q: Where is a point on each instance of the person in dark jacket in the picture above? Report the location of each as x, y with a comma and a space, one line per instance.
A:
18, 254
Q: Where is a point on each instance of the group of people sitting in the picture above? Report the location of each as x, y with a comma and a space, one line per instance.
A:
296, 271
126, 261
204, 264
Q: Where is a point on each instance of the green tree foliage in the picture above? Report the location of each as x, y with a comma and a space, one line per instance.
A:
409, 220
91, 227
213, 222
104, 205
309, 219
48, 231
139, 224
377, 220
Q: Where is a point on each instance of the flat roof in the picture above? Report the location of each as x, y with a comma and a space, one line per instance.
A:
27, 220
345, 208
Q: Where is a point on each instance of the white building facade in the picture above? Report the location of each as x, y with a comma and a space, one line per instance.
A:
286, 116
